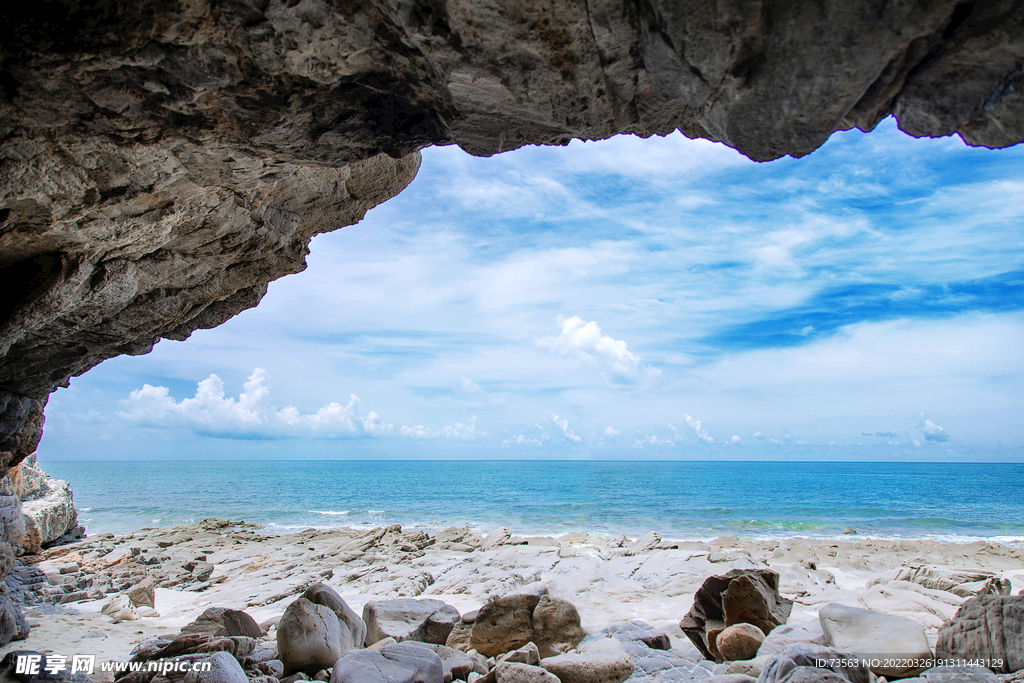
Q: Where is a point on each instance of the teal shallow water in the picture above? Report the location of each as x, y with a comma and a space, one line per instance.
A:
945, 501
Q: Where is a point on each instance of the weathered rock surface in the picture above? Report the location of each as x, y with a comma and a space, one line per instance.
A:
407, 662
749, 596
965, 583
47, 503
426, 621
989, 626
876, 636
161, 163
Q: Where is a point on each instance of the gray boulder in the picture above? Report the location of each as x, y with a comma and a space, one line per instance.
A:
590, 668
883, 638
353, 632
807, 663
224, 669
986, 627
426, 621
143, 594
308, 637
457, 665
406, 662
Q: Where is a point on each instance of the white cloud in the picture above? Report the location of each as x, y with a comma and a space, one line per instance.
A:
695, 426
611, 431
735, 439
213, 413
584, 341
564, 426
931, 431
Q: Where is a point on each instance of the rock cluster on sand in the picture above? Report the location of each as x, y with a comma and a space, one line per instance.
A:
512, 608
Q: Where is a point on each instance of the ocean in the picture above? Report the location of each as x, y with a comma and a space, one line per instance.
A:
679, 500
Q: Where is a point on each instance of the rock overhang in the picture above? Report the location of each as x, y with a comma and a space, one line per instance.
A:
161, 162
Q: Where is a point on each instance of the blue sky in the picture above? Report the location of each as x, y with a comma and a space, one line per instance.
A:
650, 299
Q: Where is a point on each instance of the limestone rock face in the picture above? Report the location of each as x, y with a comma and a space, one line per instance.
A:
47, 503
989, 626
160, 163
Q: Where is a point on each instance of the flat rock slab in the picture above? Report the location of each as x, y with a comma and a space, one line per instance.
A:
986, 627
586, 668
407, 662
881, 638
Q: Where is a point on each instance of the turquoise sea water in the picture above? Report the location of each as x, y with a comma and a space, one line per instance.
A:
946, 501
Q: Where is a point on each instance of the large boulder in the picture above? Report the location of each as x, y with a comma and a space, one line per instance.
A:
407, 662
511, 621
223, 669
504, 624
807, 663
308, 637
353, 632
888, 641
426, 621
589, 668
986, 627
12, 623
556, 626
223, 621
740, 596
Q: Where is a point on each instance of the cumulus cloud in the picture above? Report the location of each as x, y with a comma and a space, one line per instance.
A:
584, 341
211, 412
930, 430
564, 426
735, 439
611, 431
695, 426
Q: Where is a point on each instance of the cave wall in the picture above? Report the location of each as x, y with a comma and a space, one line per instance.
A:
161, 161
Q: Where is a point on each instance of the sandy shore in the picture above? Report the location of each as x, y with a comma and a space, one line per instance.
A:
220, 564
